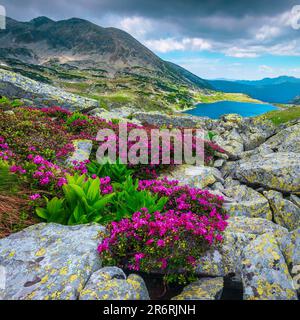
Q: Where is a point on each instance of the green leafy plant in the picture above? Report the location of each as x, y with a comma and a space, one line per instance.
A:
82, 203
118, 172
8, 181
54, 211
7, 103
210, 135
129, 199
76, 116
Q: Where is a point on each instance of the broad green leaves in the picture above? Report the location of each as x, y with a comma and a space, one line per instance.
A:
118, 172
83, 201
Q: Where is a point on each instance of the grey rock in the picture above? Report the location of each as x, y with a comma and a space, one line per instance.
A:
295, 200
196, 176
110, 283
287, 140
290, 247
285, 212
219, 163
248, 202
217, 186
265, 275
231, 142
49, 261
225, 259
41, 94
159, 120
279, 171
202, 289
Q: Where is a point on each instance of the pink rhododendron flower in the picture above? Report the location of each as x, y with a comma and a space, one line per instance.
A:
35, 196
61, 182
160, 243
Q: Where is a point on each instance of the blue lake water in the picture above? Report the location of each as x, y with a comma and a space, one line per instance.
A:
217, 109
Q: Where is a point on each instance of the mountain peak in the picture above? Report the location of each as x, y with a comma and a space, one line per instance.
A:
40, 21
87, 45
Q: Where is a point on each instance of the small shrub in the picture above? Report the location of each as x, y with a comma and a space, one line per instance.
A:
75, 117
169, 243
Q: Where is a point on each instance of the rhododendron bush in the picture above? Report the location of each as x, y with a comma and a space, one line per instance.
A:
168, 243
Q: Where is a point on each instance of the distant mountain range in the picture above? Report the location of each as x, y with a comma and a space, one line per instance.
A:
282, 89
78, 43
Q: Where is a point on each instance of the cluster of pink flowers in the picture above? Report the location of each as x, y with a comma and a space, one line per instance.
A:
168, 240
17, 169
65, 150
45, 171
56, 111
81, 166
184, 198
105, 185
5, 153
35, 196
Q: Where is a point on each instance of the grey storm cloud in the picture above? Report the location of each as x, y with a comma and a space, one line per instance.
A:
150, 8
250, 25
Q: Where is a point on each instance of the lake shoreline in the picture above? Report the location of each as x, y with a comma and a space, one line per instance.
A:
219, 108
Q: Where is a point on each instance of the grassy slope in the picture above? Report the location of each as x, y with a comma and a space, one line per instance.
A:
285, 114
215, 96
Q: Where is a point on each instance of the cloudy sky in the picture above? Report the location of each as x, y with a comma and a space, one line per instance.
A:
232, 39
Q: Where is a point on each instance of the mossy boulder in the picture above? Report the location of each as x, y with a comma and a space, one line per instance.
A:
265, 274
49, 261
278, 171
202, 289
111, 283
285, 212
247, 202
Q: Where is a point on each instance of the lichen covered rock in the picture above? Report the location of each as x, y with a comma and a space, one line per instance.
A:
247, 202
290, 247
278, 171
49, 261
202, 289
255, 226
226, 259
196, 176
231, 142
110, 283
286, 213
265, 274
286, 140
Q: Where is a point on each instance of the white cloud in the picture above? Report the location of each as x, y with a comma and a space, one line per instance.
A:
238, 52
196, 44
136, 26
171, 44
265, 68
267, 32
